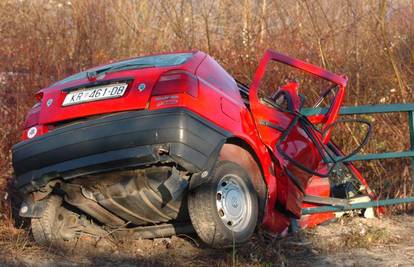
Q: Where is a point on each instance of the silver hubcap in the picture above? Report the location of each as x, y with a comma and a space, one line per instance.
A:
232, 202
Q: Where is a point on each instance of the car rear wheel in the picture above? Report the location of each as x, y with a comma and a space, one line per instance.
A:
50, 230
224, 210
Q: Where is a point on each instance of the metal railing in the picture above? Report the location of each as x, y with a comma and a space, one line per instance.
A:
363, 110
376, 109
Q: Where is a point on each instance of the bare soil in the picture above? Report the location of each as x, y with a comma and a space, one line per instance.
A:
347, 242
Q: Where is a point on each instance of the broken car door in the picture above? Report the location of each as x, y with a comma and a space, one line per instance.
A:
295, 144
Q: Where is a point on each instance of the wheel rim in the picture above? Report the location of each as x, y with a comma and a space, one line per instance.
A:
234, 206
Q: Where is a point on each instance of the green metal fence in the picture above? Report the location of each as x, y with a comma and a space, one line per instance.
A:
376, 109
361, 205
372, 109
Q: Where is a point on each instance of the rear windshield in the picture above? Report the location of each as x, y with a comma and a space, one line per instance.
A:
141, 62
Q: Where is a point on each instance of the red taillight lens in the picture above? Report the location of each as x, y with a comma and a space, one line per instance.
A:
174, 82
39, 96
32, 117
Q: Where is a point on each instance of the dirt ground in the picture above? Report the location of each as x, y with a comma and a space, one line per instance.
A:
347, 242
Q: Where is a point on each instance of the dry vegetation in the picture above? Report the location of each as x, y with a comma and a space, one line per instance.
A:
348, 242
371, 41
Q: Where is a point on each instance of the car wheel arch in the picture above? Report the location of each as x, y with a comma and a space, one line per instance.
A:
240, 152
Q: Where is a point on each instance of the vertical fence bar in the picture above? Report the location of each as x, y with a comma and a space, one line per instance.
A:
411, 125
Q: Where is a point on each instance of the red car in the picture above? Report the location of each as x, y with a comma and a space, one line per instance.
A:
159, 144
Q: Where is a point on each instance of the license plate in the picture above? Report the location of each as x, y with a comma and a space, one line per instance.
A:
95, 94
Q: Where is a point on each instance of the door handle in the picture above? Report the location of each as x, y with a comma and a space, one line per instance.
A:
272, 125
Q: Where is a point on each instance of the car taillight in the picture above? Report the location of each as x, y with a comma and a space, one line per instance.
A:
176, 81
39, 96
32, 117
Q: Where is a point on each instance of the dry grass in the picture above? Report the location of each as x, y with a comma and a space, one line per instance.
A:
350, 242
16, 245
363, 236
352, 233
19, 249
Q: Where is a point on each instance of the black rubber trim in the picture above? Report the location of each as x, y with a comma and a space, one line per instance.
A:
97, 83
198, 179
272, 125
122, 140
295, 180
287, 96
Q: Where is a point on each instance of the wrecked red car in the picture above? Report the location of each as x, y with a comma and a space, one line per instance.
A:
171, 143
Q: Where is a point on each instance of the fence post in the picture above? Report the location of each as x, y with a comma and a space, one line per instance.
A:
411, 125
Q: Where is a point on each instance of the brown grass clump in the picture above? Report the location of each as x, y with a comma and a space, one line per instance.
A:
16, 245
352, 233
361, 236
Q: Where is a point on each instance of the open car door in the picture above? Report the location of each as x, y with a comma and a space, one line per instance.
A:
296, 146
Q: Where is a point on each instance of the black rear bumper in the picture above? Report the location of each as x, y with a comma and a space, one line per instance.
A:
117, 141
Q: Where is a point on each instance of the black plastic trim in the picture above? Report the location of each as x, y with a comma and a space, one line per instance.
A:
272, 125
118, 141
97, 83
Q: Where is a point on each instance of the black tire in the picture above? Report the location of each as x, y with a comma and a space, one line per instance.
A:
46, 229
219, 201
